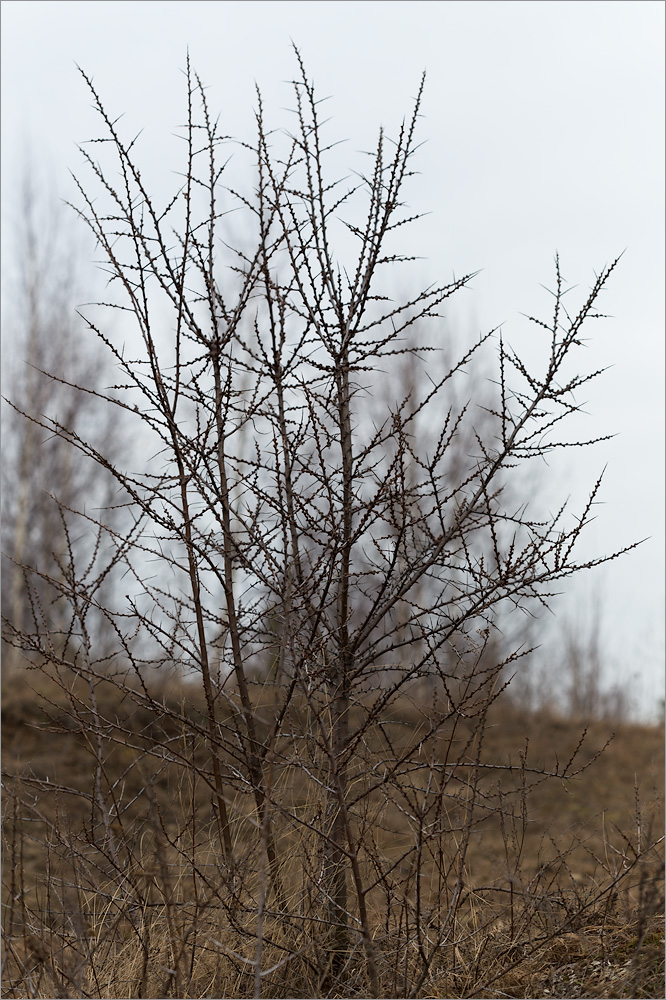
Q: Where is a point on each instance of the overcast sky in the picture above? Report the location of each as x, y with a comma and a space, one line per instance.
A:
545, 131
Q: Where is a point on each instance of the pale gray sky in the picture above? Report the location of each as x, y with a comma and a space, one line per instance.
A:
544, 124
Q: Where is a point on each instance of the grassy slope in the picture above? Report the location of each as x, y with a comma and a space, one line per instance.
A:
607, 806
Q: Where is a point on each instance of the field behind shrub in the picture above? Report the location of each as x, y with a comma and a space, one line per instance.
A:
559, 891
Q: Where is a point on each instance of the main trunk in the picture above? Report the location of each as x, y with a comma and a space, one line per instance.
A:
339, 680
336, 862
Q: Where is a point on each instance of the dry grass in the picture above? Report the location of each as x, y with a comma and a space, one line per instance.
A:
561, 893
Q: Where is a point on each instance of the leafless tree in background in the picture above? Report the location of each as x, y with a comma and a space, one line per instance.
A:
316, 560
44, 360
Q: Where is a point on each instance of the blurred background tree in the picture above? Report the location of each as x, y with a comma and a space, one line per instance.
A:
51, 372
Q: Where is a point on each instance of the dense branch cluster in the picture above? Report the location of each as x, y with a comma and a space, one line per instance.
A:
311, 566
